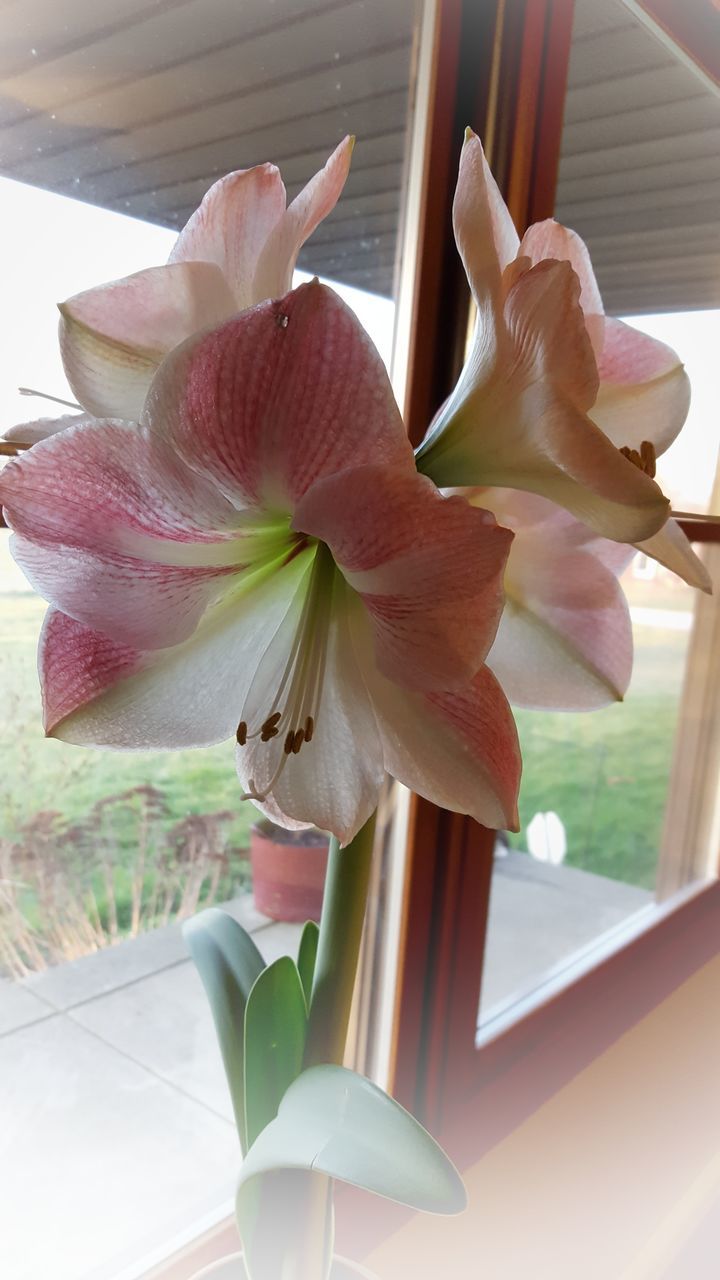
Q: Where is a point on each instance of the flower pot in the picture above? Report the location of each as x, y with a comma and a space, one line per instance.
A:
232, 1268
288, 870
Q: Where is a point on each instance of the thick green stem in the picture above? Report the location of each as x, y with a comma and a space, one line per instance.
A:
341, 926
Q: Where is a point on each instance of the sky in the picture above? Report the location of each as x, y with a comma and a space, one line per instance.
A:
55, 246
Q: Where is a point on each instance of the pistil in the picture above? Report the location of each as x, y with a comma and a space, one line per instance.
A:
296, 705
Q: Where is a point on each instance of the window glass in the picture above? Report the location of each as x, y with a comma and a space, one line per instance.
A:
603, 835
113, 125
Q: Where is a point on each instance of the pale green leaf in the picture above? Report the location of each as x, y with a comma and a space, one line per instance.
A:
275, 1029
229, 964
307, 955
335, 1122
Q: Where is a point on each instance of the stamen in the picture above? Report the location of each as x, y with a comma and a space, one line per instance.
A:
296, 703
644, 460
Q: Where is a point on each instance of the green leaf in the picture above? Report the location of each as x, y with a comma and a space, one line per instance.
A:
307, 955
229, 964
335, 1122
275, 1028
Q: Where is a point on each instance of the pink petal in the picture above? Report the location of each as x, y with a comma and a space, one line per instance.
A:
671, 548
107, 486
516, 420
549, 239
546, 324
281, 395
138, 603
113, 338
459, 750
334, 781
428, 568
231, 227
42, 428
484, 231
274, 273
644, 389
98, 692
565, 639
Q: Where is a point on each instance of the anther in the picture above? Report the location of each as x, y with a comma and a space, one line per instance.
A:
309, 729
289, 740
298, 739
644, 459
241, 733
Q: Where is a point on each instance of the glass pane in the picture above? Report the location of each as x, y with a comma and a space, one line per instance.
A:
113, 125
600, 805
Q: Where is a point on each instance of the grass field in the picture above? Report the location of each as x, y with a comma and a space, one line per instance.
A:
605, 774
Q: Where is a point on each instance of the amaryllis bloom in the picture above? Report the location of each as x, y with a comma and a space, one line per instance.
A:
643, 394
238, 248
259, 559
520, 415
565, 639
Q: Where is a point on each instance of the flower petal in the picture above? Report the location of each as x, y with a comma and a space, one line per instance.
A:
334, 780
428, 569
644, 390
136, 602
671, 548
484, 231
113, 338
522, 424
273, 276
42, 428
107, 486
459, 750
97, 692
549, 239
231, 227
565, 639
277, 397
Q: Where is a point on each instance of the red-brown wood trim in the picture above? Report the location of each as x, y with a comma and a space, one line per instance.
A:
693, 25
510, 64
700, 528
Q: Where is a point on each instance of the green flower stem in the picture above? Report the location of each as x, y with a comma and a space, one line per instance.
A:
341, 926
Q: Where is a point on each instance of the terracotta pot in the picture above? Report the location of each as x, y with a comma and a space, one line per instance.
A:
232, 1269
288, 871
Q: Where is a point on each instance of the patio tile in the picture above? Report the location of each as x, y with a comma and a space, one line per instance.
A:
164, 1024
100, 1161
19, 1007
67, 985
540, 915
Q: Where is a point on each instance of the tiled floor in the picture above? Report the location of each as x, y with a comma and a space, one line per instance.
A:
115, 1128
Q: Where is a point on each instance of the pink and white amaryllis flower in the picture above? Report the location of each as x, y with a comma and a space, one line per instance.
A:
239, 248
644, 391
522, 413
259, 558
565, 639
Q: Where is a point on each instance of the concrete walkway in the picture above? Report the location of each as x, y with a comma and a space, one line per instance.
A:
116, 1133
116, 1136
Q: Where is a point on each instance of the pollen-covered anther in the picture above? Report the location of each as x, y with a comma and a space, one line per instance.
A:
298, 739
269, 727
645, 459
289, 740
241, 733
309, 729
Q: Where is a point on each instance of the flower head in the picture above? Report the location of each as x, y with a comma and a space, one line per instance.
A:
259, 559
530, 410
238, 248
